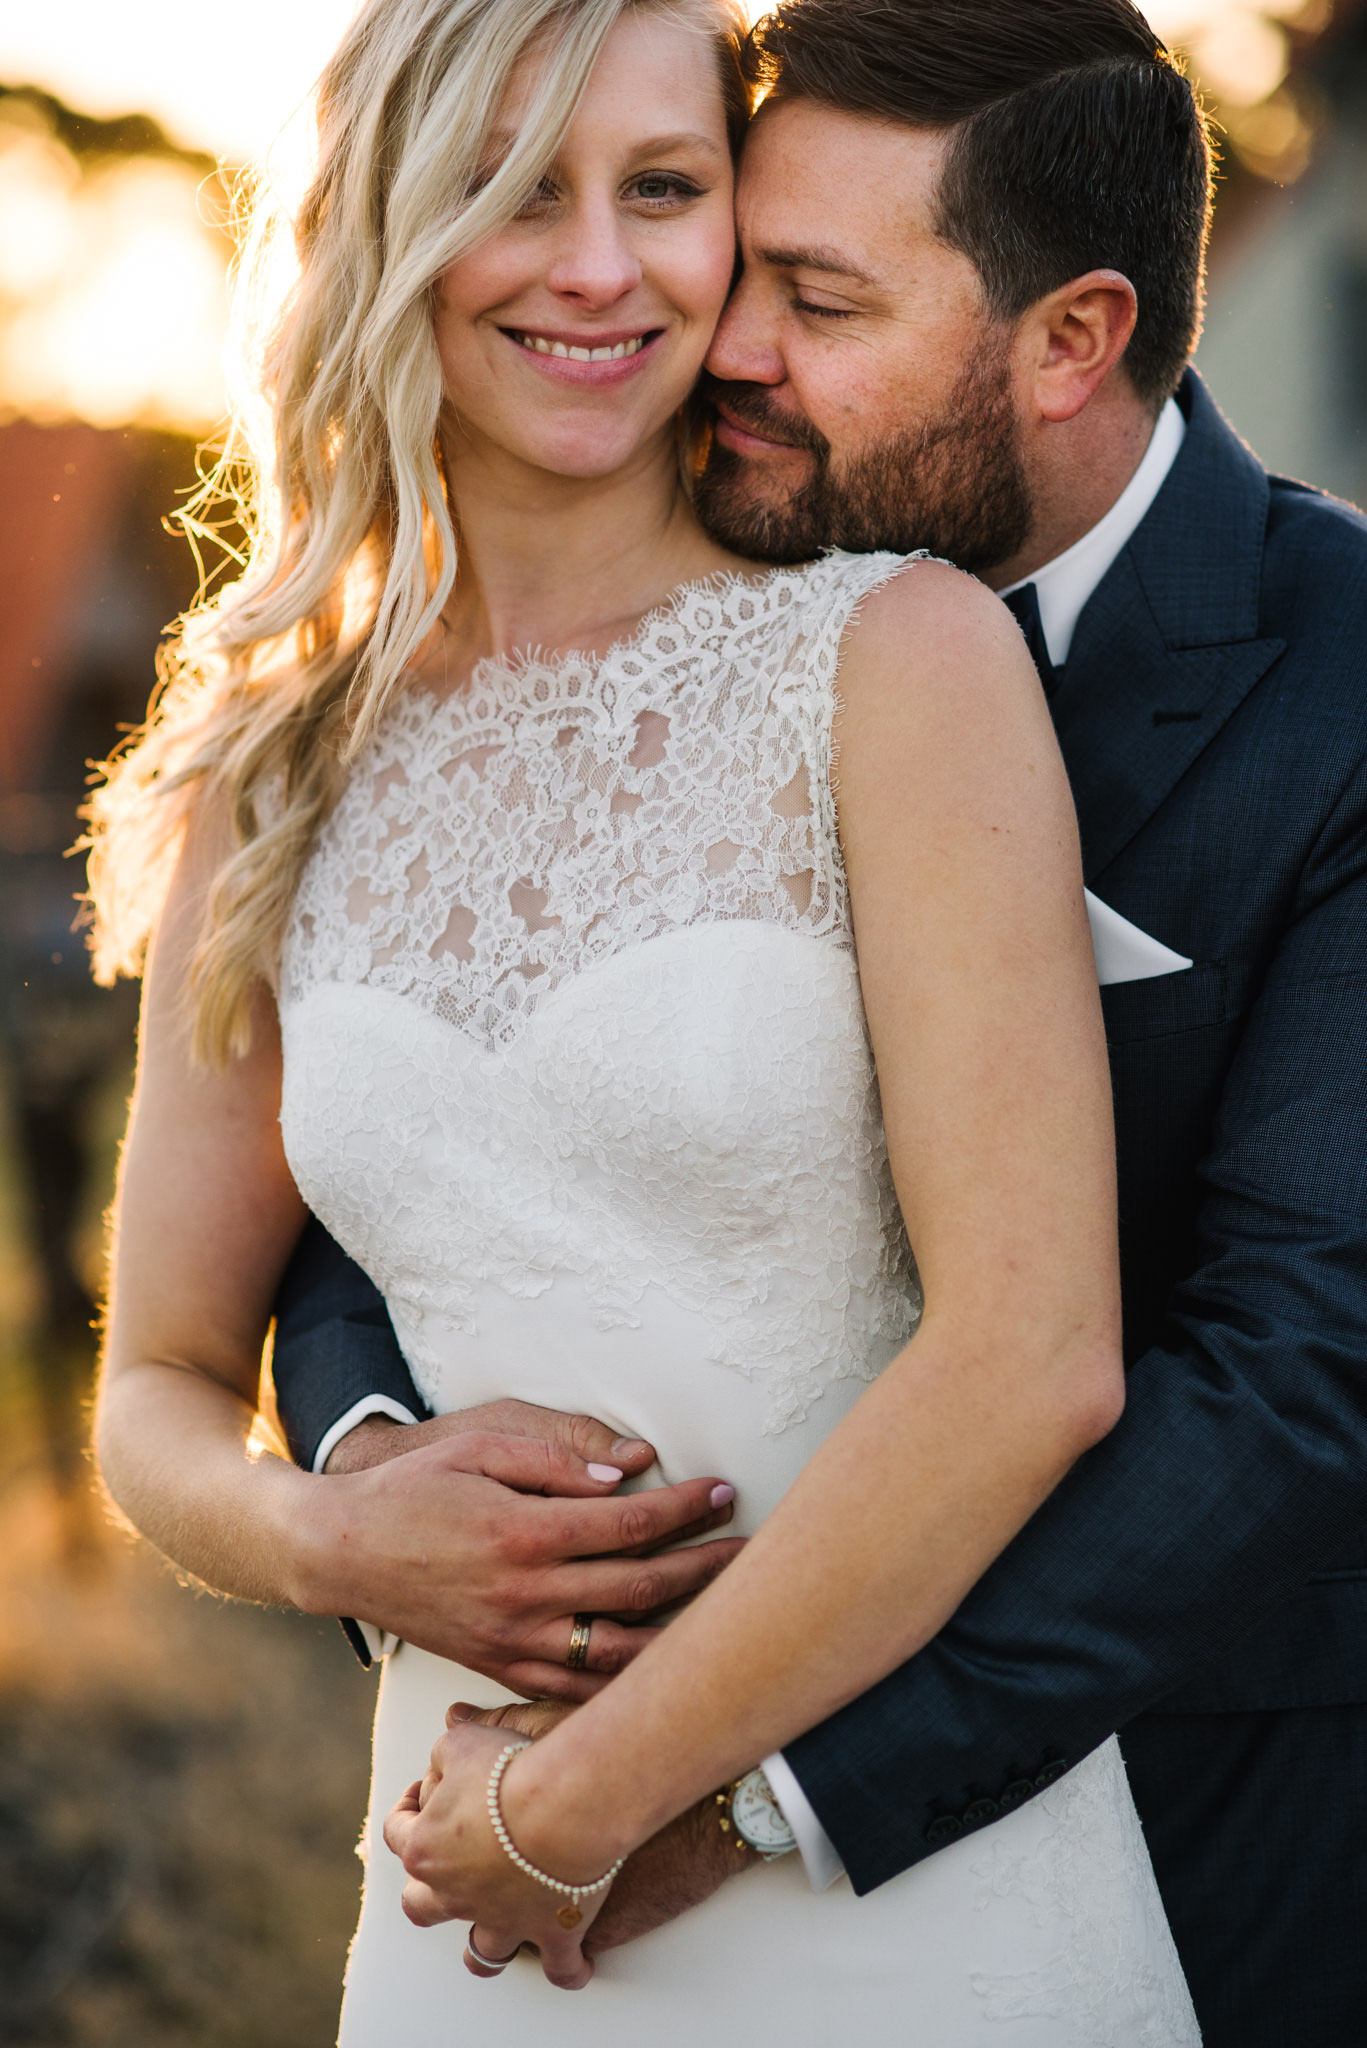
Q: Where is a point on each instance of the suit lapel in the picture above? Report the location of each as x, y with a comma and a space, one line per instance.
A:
1168, 648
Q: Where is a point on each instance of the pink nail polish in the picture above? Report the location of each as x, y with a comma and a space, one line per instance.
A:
607, 1475
723, 1495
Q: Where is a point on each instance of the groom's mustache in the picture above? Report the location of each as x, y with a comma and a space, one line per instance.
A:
752, 406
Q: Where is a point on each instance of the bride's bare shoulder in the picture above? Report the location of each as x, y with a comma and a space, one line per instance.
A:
938, 694
932, 640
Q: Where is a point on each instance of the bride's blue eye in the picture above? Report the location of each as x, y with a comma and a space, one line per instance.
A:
658, 187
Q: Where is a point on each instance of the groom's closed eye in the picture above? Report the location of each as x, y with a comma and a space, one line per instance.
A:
801, 305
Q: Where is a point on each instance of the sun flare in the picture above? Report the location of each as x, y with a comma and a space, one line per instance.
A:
112, 292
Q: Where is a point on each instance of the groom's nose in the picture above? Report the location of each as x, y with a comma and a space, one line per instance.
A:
744, 348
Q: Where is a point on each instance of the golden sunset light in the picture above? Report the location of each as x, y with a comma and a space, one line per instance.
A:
112, 292
584, 583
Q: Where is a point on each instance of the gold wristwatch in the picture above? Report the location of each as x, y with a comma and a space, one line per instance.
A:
753, 1818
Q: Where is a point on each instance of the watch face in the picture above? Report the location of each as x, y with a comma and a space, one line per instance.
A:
757, 1816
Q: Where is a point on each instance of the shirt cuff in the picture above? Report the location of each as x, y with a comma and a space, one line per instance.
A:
370, 1404
817, 1850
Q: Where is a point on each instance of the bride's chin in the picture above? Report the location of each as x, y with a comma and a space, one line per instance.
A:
597, 458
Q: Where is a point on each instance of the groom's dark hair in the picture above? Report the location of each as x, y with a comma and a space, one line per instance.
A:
1079, 143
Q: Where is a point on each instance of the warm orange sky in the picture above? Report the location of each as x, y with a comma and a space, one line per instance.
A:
112, 286
220, 78
227, 78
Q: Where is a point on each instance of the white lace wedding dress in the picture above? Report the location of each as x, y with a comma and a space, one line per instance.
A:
576, 1067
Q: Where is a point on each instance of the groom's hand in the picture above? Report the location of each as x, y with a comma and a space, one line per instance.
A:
481, 1544
377, 1439
672, 1872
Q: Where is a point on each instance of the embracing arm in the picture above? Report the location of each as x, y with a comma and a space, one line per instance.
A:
1238, 1459
335, 1357
980, 991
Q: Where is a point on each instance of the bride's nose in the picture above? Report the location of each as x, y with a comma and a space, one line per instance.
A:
593, 259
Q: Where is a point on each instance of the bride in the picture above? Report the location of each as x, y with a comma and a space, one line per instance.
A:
508, 909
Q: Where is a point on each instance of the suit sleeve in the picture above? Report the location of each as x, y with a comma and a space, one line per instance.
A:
335, 1347
1236, 1471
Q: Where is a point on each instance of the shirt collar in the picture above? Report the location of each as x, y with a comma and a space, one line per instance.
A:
1065, 584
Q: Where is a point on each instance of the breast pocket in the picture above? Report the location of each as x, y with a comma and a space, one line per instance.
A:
1166, 1004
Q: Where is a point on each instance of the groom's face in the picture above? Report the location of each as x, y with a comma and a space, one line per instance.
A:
863, 393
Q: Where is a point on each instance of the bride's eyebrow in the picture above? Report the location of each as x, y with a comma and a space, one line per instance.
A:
829, 261
665, 145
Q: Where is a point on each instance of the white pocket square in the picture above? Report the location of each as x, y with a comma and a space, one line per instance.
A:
1123, 952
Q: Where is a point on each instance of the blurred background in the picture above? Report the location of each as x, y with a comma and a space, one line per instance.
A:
181, 1783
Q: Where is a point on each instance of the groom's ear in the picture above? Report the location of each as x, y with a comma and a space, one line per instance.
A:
1072, 339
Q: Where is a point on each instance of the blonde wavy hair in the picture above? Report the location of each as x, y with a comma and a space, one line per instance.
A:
334, 465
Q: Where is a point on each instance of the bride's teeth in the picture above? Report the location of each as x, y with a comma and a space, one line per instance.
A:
542, 347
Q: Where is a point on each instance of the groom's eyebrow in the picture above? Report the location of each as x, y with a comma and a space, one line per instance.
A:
831, 261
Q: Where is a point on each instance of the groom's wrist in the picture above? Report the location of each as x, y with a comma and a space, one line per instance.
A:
372, 1440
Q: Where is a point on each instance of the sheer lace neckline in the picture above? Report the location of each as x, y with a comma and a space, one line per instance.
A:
497, 840
521, 662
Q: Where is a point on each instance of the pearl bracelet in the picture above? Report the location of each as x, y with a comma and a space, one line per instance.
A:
568, 1915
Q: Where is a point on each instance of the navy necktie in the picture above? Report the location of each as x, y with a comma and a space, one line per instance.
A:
1023, 605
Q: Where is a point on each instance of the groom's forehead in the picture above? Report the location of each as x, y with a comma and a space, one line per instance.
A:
817, 175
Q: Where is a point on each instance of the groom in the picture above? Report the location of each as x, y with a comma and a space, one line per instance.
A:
973, 235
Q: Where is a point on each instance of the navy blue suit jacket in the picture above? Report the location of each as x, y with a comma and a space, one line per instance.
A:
1207, 1556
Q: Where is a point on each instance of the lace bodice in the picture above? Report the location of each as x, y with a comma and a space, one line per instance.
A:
571, 967
514, 834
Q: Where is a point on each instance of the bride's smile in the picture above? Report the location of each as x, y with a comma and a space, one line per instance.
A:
570, 338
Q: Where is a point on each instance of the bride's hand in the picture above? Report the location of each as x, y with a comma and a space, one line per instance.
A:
674, 1871
457, 1869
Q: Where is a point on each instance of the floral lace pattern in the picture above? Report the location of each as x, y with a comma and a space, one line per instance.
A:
1089, 1874
628, 1042
506, 836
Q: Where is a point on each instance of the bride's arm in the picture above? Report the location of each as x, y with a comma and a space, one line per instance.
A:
980, 988
206, 1216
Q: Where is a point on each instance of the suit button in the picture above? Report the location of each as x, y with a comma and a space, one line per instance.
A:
944, 1828
1050, 1774
1016, 1793
980, 1813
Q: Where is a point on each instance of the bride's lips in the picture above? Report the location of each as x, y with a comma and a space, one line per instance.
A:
572, 356
733, 433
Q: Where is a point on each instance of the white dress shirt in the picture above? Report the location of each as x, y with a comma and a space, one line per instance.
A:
1063, 587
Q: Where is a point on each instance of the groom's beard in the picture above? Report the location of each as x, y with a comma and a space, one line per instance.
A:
955, 485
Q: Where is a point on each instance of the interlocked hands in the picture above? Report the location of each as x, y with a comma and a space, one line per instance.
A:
456, 1869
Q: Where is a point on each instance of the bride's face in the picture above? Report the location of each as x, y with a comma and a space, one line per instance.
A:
569, 340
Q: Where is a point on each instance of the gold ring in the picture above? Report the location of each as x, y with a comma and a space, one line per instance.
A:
578, 1656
